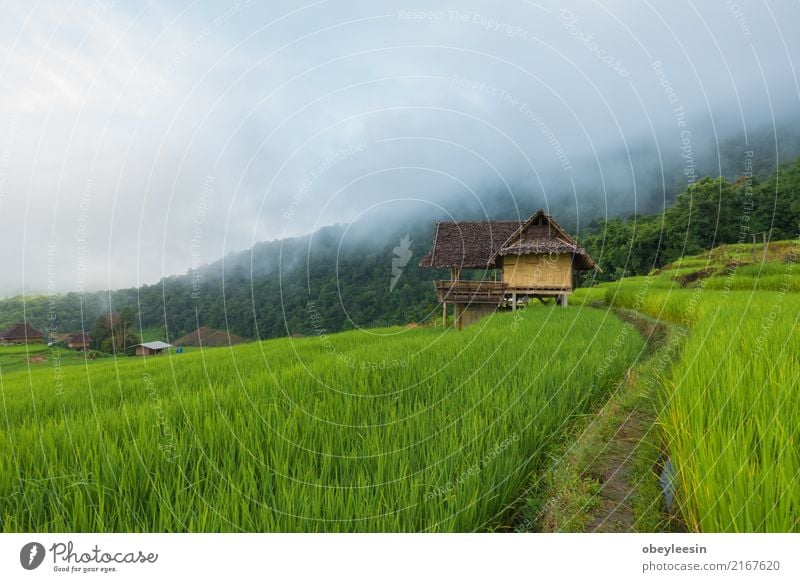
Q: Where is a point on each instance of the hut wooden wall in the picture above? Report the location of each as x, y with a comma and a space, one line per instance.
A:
538, 271
469, 314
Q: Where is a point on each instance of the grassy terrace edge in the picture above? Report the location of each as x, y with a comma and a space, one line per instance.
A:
728, 409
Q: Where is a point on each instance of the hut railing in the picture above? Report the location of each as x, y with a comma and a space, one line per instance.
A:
459, 291
470, 291
541, 288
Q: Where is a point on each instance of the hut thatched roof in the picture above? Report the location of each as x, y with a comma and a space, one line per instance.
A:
541, 234
468, 245
21, 331
477, 245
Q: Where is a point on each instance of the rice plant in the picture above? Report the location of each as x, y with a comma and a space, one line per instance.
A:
731, 408
399, 429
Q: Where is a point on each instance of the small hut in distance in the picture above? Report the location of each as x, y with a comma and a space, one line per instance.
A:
532, 259
21, 333
79, 342
151, 348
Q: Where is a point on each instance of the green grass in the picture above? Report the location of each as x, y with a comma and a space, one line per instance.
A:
777, 251
380, 430
739, 390
730, 406
585, 296
423, 429
571, 497
687, 263
16, 350
33, 356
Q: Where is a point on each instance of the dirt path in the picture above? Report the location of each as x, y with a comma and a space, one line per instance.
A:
614, 471
617, 464
607, 480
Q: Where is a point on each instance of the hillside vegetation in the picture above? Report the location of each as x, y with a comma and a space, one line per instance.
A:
709, 213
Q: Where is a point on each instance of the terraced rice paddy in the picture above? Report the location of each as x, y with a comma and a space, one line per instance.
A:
382, 430
731, 405
417, 429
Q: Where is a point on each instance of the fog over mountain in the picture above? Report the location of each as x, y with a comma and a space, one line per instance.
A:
139, 140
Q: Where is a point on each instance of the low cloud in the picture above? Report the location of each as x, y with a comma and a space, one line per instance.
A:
141, 141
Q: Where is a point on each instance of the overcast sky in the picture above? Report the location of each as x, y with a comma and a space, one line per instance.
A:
137, 138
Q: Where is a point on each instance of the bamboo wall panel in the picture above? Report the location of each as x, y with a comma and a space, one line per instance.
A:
538, 271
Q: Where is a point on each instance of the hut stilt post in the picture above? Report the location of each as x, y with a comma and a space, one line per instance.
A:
455, 274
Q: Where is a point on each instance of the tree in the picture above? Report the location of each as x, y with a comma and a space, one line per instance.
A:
101, 331
113, 333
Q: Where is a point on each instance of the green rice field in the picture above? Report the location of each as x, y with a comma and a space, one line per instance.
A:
414, 429
399, 429
730, 400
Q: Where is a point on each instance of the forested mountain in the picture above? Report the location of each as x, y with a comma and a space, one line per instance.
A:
708, 213
337, 278
341, 276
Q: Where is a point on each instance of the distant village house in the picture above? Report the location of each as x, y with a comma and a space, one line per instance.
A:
22, 333
79, 342
151, 348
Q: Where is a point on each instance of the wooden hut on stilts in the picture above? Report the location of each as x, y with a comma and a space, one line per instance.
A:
535, 259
